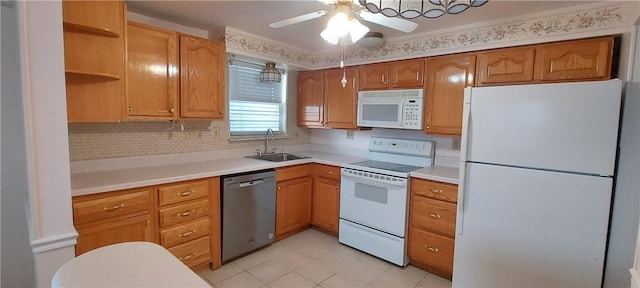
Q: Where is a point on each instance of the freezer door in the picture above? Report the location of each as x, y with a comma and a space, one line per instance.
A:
566, 126
531, 228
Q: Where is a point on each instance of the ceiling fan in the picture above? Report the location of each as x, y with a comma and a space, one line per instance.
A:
345, 10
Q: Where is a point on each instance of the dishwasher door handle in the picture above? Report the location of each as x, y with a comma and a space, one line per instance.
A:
251, 183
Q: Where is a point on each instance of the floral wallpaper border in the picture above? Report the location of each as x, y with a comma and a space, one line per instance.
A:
564, 24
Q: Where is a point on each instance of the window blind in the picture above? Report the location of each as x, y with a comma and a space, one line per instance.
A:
254, 106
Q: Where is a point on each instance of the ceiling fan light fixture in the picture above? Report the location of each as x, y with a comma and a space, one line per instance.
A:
416, 8
270, 73
372, 40
357, 30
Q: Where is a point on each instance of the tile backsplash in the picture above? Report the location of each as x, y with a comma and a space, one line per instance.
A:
88, 141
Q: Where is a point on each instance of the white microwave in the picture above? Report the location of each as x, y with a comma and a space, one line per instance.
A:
401, 109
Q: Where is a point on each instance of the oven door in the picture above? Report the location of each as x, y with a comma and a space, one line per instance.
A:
374, 200
380, 112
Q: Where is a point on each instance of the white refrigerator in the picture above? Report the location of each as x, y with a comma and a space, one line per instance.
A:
536, 176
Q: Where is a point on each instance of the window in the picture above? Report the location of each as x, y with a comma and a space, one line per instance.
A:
254, 106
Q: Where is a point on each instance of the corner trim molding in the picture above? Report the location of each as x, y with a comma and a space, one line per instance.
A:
562, 24
54, 242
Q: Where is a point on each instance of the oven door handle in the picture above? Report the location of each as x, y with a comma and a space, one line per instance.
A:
398, 181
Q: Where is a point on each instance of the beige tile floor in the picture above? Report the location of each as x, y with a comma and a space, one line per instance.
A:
314, 259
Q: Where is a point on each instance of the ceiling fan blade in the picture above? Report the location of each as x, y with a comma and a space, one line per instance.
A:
298, 19
395, 23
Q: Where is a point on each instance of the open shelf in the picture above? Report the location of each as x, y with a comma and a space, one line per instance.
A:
104, 76
70, 26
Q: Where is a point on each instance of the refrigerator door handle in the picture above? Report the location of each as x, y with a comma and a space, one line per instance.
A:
461, 197
466, 117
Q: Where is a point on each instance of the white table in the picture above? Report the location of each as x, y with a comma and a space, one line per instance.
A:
131, 264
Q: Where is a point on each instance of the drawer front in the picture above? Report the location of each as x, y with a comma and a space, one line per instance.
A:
193, 253
183, 191
327, 171
432, 250
293, 172
435, 190
120, 203
183, 213
184, 233
433, 215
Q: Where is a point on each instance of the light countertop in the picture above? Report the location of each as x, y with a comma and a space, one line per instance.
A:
126, 178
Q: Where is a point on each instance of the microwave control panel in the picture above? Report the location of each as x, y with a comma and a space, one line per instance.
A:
412, 118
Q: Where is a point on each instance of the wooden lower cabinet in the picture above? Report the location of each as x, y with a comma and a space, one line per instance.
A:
113, 217
113, 231
183, 217
432, 222
293, 200
326, 197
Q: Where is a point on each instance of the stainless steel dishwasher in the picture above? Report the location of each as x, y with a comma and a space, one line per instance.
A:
248, 212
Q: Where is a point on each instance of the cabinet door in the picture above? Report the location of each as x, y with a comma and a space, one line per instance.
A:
407, 74
374, 76
310, 98
152, 72
201, 78
340, 103
446, 78
326, 204
293, 205
98, 234
505, 66
574, 60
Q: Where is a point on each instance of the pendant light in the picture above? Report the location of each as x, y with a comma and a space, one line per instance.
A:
270, 74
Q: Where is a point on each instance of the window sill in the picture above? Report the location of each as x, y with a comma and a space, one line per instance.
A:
256, 138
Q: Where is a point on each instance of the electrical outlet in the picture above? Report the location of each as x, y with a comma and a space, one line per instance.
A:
215, 131
455, 144
350, 134
190, 134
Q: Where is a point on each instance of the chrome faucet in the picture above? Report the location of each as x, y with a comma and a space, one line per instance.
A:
266, 142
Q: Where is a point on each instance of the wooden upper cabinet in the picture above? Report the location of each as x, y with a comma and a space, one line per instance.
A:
374, 76
81, 16
588, 59
398, 74
310, 98
152, 72
340, 103
201, 78
505, 66
406, 74
446, 78
94, 48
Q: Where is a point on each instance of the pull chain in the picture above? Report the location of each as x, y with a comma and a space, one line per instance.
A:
344, 70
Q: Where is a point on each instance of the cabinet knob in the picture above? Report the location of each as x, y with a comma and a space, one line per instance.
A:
328, 172
221, 112
435, 216
130, 108
172, 110
428, 127
436, 191
116, 207
279, 188
338, 187
185, 193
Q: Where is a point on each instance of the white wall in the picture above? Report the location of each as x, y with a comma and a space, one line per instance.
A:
626, 202
17, 266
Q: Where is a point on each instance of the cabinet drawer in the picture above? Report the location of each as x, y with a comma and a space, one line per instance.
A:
433, 215
431, 250
184, 233
183, 191
95, 207
327, 171
293, 172
193, 253
435, 190
183, 213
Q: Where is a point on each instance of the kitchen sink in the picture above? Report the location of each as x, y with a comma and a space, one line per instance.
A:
278, 157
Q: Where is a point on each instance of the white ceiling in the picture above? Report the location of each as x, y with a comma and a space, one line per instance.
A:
254, 17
